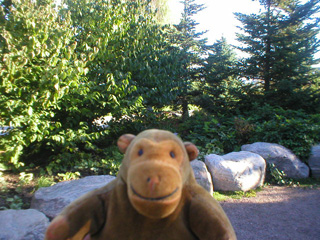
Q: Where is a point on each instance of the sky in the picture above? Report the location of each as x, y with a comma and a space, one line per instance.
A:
218, 17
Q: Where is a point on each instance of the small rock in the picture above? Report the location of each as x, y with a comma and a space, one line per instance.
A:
236, 171
51, 200
281, 157
314, 161
202, 175
22, 225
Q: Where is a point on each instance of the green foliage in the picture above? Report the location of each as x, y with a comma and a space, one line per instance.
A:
210, 134
309, 183
70, 165
220, 134
295, 130
25, 178
95, 58
192, 46
14, 202
38, 68
62, 68
275, 176
282, 41
68, 176
221, 88
145, 119
44, 181
219, 196
225, 195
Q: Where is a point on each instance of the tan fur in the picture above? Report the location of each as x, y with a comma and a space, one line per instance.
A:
155, 196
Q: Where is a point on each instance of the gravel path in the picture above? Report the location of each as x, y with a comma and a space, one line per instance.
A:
281, 213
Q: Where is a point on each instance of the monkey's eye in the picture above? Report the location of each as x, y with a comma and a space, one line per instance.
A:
140, 152
172, 154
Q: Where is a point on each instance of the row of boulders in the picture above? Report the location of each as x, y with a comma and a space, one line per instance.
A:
46, 203
242, 170
245, 170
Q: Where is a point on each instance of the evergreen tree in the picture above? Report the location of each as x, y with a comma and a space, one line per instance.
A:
282, 41
220, 78
192, 48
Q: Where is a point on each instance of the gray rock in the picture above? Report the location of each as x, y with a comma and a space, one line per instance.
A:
314, 161
51, 200
22, 225
281, 157
202, 175
236, 171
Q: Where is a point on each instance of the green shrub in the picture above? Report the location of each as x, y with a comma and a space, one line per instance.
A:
14, 202
276, 176
64, 67
295, 130
210, 134
38, 68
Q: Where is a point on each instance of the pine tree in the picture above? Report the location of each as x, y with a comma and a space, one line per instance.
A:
282, 41
220, 78
192, 48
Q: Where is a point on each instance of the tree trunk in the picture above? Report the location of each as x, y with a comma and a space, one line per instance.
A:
185, 110
266, 74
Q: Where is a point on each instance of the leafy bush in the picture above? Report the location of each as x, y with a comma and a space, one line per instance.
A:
64, 67
209, 134
38, 68
295, 130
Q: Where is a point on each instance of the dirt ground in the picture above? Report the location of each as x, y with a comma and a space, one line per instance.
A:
282, 213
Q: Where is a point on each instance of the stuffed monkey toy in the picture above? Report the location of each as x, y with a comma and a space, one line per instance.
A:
154, 197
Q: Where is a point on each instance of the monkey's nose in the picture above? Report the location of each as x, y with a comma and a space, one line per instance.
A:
153, 182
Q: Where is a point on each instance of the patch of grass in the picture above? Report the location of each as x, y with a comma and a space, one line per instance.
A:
220, 197
44, 181
224, 195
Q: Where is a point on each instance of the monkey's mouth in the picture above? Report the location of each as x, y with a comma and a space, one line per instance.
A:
154, 198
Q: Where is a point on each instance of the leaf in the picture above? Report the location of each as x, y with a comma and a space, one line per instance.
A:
30, 111
56, 86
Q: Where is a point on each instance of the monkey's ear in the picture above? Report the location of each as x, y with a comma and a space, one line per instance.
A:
192, 150
124, 141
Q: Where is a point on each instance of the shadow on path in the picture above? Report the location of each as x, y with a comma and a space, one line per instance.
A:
280, 213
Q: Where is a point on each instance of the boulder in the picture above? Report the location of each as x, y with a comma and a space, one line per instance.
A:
314, 161
236, 171
22, 225
202, 175
51, 200
281, 157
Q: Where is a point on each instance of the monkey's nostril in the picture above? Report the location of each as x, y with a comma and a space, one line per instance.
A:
148, 179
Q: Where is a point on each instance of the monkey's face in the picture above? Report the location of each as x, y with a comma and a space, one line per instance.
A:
155, 170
